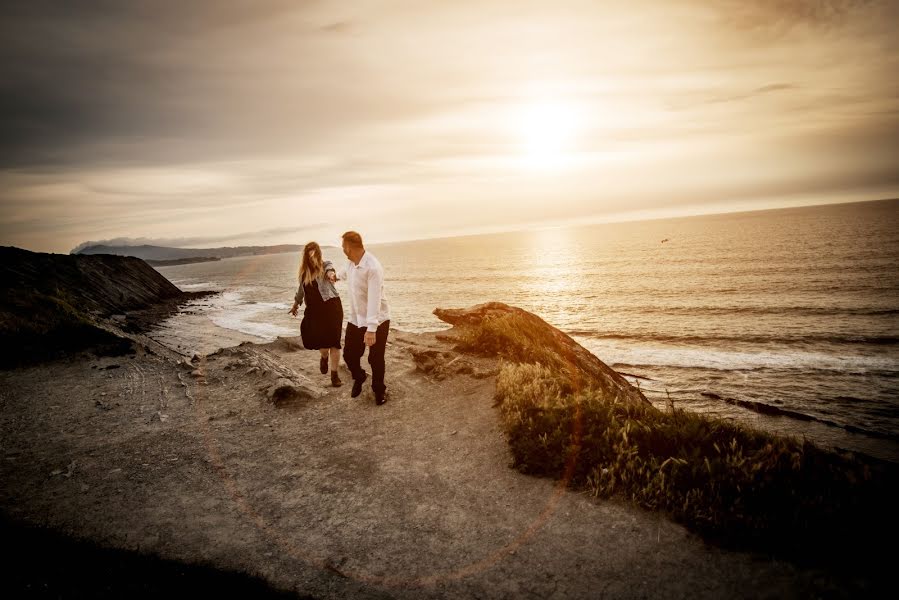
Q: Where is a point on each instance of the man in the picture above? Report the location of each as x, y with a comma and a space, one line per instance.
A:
369, 316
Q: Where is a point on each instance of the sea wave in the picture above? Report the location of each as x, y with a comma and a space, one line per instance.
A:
734, 311
240, 320
231, 311
203, 285
637, 356
824, 338
772, 410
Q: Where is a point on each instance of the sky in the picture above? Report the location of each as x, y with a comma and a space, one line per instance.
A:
217, 122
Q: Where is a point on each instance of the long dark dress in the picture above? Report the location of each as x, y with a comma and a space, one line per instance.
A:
322, 321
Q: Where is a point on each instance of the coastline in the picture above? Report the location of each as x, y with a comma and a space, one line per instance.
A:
193, 331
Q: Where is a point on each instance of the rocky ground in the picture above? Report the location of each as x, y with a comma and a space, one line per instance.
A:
246, 461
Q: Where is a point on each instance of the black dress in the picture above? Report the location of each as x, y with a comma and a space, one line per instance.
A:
322, 321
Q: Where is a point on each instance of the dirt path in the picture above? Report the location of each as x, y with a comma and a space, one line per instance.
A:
332, 496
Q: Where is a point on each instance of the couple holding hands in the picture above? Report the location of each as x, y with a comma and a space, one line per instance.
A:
368, 323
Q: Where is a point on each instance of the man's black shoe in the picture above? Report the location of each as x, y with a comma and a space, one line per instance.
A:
357, 385
380, 398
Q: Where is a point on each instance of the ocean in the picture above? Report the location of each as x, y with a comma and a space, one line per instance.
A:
787, 320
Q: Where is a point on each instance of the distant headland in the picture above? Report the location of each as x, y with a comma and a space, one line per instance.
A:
165, 253
181, 261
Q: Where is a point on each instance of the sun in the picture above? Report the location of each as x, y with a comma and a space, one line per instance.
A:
547, 130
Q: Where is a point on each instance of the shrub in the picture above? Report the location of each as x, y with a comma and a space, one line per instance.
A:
732, 483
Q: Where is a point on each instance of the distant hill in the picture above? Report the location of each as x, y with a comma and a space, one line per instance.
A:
165, 253
180, 261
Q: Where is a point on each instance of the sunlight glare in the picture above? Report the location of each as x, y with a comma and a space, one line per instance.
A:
547, 130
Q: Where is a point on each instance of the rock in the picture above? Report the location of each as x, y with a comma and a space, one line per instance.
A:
585, 369
286, 392
197, 373
440, 364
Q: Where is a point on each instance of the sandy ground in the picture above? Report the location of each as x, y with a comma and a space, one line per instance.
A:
335, 497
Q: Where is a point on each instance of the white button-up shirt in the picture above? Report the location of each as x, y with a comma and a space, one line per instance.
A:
365, 288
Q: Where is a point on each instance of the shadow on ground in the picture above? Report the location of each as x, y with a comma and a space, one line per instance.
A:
41, 563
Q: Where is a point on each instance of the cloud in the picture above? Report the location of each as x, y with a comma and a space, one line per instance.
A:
338, 27
781, 16
760, 91
109, 82
155, 120
190, 242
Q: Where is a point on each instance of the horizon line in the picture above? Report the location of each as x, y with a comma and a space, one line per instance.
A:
611, 219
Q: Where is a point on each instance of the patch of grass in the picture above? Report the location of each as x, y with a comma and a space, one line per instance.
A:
734, 484
514, 338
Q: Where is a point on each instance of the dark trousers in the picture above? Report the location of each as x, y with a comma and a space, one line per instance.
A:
354, 348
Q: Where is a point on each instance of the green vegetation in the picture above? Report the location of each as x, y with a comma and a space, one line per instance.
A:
514, 338
731, 483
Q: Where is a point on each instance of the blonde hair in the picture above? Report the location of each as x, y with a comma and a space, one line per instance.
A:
311, 264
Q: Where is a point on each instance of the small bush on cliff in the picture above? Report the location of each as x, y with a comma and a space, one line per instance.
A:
730, 482
511, 337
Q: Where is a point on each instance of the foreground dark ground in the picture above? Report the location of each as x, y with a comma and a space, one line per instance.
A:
40, 563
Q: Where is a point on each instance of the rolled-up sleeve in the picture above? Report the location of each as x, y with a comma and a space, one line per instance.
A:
375, 283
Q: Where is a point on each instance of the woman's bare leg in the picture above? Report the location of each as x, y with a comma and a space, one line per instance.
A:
335, 358
335, 363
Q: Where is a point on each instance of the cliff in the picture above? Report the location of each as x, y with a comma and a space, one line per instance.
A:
52, 303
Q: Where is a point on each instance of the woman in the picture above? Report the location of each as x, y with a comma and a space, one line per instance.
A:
323, 317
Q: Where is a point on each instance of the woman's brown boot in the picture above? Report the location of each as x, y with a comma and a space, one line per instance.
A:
335, 379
